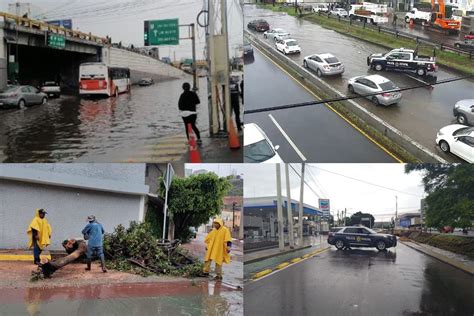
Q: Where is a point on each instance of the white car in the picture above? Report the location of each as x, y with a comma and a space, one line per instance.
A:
257, 146
288, 46
368, 85
457, 139
276, 34
324, 64
320, 7
340, 12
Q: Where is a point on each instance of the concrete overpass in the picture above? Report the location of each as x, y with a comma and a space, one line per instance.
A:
26, 55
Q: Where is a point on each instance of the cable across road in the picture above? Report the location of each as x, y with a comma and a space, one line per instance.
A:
359, 96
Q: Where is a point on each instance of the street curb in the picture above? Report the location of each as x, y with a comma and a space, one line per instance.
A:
442, 258
275, 255
286, 264
8, 257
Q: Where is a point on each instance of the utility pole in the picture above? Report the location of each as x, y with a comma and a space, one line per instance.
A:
345, 215
281, 241
225, 86
289, 209
396, 210
193, 39
300, 213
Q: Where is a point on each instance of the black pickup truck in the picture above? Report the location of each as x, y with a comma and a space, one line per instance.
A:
403, 60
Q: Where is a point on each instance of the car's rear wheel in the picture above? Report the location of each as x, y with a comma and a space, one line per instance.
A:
21, 104
351, 88
444, 146
305, 64
421, 72
375, 100
381, 245
319, 73
339, 244
461, 118
457, 45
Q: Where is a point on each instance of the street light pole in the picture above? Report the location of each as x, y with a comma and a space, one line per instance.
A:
289, 209
300, 213
281, 242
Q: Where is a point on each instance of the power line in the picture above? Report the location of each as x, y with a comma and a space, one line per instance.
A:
360, 96
366, 182
304, 181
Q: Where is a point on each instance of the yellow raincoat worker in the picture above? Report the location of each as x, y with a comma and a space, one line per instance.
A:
39, 233
218, 244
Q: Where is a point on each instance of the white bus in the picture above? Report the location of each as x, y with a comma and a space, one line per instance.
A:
100, 79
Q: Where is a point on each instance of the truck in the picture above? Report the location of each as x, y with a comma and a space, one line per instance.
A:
401, 59
440, 21
369, 12
418, 16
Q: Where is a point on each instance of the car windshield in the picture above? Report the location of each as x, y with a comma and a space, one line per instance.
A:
386, 86
259, 151
331, 60
8, 90
291, 43
464, 131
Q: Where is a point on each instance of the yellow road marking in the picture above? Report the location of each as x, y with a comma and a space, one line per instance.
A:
295, 260
261, 273
282, 265
22, 257
333, 109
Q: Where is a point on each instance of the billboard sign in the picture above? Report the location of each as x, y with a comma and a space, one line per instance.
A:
161, 32
67, 24
324, 207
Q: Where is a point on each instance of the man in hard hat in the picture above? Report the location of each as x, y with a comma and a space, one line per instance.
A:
39, 233
218, 245
93, 233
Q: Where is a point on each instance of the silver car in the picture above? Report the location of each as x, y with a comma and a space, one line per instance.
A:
324, 64
21, 96
368, 85
464, 111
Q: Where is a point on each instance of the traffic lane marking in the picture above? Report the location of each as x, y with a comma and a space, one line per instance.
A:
288, 139
334, 110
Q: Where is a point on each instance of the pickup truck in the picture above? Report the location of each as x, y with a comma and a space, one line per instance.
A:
51, 89
403, 60
418, 16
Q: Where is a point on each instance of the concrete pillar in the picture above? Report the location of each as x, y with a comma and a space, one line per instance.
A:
3, 60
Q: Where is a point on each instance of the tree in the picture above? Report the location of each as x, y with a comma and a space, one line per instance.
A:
356, 219
193, 200
450, 193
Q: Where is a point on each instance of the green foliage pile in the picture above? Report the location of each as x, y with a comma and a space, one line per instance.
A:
456, 244
138, 243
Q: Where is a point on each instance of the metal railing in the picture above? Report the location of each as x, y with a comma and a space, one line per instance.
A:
43, 26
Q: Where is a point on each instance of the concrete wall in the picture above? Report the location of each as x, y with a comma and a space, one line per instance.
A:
140, 65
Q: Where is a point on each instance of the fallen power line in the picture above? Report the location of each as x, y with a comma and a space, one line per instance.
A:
323, 101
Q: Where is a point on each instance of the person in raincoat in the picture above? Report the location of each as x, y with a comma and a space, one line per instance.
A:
94, 234
218, 245
39, 233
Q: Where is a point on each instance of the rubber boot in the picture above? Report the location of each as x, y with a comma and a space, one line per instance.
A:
102, 263
88, 261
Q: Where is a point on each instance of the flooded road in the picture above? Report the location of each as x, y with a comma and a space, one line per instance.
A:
421, 112
109, 129
167, 298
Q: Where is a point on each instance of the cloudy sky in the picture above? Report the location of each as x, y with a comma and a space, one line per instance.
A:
336, 182
123, 19
221, 169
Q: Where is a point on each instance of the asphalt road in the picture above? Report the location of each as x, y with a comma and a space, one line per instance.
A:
421, 112
363, 281
318, 132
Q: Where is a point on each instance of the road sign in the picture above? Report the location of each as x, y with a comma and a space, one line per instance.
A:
67, 24
56, 41
161, 32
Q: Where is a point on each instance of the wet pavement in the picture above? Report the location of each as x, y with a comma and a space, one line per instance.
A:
363, 281
319, 133
141, 126
172, 298
421, 112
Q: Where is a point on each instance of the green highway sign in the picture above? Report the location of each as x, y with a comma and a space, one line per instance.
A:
56, 41
161, 32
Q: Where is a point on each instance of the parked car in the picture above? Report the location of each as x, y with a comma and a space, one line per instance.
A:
464, 111
339, 12
146, 82
257, 146
320, 7
288, 46
457, 139
276, 34
467, 44
373, 84
51, 89
21, 96
357, 236
259, 25
248, 50
324, 64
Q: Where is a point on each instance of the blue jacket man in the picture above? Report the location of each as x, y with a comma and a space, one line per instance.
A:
93, 233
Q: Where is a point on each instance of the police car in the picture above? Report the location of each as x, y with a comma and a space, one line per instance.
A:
402, 59
359, 236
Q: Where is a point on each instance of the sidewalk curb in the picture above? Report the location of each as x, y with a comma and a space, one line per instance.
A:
440, 257
275, 255
287, 263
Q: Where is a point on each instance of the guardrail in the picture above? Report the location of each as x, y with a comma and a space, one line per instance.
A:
397, 33
384, 128
43, 26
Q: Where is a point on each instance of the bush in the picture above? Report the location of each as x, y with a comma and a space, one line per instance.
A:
456, 244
